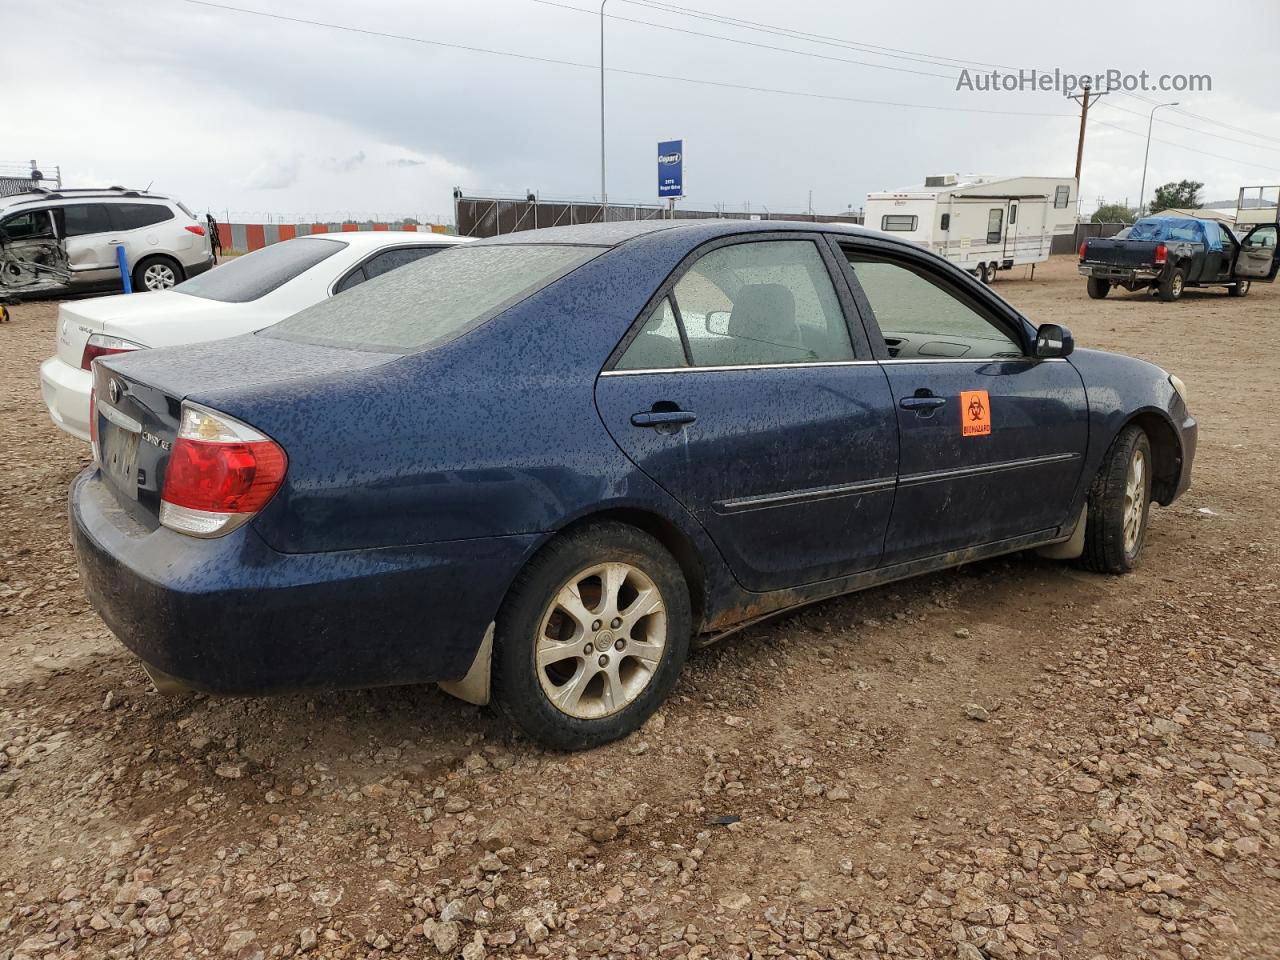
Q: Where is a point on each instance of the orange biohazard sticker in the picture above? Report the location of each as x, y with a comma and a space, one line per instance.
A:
975, 413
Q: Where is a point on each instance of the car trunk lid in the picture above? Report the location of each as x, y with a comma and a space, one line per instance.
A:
139, 396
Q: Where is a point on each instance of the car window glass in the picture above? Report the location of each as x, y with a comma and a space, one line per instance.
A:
765, 302
256, 274
82, 219
352, 279
396, 257
27, 225
657, 346
433, 301
922, 319
133, 216
1262, 238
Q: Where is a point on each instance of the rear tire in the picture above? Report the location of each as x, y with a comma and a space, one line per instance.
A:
1172, 286
156, 272
1238, 289
1119, 504
989, 274
1098, 289
576, 661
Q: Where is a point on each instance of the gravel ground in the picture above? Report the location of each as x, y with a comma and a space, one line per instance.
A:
1015, 759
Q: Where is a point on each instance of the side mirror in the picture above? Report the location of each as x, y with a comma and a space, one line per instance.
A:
1053, 340
718, 322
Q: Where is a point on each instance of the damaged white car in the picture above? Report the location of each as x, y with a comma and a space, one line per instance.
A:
55, 243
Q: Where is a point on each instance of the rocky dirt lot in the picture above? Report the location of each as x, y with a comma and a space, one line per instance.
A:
1015, 759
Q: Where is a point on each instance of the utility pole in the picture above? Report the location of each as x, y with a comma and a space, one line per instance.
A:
604, 196
1084, 100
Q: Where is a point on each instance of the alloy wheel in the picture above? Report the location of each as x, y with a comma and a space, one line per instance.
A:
159, 276
1135, 494
600, 640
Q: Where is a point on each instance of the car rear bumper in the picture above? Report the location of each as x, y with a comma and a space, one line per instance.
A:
232, 616
65, 390
1118, 274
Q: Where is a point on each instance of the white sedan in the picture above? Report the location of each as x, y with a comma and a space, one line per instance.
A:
240, 296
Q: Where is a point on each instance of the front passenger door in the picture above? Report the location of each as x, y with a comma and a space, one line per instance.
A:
992, 440
1259, 256
744, 396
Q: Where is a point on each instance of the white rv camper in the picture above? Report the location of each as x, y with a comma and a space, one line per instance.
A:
983, 224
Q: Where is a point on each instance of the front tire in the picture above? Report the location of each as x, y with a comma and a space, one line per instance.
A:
1098, 289
592, 637
156, 273
1119, 504
1172, 286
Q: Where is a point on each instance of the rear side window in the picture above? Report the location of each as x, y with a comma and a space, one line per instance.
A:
899, 222
82, 219
762, 302
432, 301
133, 216
256, 274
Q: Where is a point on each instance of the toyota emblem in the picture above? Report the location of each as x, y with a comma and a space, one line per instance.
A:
113, 391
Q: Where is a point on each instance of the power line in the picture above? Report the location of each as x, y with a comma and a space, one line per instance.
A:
618, 70
1200, 117
904, 54
876, 49
749, 43
1170, 143
1182, 126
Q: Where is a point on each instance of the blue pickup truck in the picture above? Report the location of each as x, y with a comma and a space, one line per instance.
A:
1169, 254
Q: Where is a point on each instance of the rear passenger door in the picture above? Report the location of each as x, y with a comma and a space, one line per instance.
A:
992, 439
138, 226
743, 393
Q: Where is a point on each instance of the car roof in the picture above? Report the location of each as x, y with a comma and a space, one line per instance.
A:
615, 234
366, 239
79, 195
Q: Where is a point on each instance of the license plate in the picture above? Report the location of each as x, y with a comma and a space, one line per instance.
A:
120, 459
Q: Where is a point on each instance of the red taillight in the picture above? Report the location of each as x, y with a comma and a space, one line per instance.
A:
198, 231
101, 345
220, 473
220, 477
1162, 253
1083, 247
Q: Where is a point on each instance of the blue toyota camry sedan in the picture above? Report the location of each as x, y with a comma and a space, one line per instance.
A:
536, 469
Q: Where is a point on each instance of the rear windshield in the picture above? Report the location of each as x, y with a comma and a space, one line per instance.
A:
434, 300
256, 274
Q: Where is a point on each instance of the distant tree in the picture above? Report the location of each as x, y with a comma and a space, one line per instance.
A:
411, 222
1114, 213
1184, 195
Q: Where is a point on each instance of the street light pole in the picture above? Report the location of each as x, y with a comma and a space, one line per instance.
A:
1150, 121
604, 195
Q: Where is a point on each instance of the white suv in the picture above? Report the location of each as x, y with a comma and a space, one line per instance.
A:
64, 241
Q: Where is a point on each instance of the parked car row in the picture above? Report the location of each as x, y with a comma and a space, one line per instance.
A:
537, 468
245, 294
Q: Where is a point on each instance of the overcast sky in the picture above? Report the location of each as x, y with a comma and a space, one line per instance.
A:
229, 111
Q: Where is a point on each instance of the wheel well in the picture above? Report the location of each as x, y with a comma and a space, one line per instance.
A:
671, 537
177, 264
1165, 452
